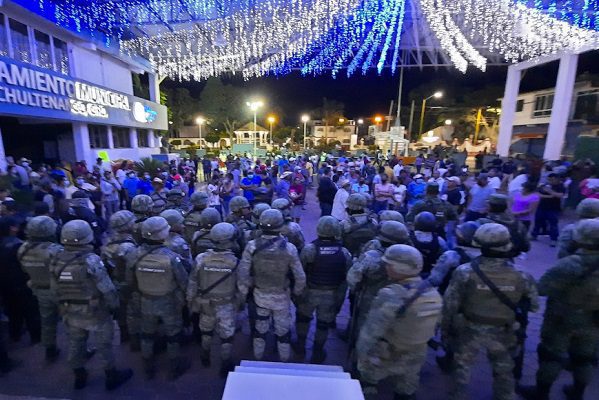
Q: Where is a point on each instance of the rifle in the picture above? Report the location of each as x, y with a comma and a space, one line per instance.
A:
353, 322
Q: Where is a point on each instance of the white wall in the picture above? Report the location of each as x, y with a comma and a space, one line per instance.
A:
101, 69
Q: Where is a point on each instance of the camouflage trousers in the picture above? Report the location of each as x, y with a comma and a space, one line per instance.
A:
164, 310
282, 322
560, 340
324, 304
404, 368
500, 345
133, 313
49, 316
221, 317
79, 330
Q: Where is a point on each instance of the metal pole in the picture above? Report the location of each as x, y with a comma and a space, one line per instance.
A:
479, 115
397, 121
255, 131
200, 141
271, 132
411, 119
422, 117
305, 136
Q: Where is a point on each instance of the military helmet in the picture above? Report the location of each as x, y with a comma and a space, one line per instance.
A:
222, 235
175, 193
328, 227
155, 229
498, 199
209, 217
281, 204
425, 222
142, 204
76, 233
465, 232
173, 217
586, 233
403, 259
356, 202
121, 220
588, 208
271, 220
40, 227
391, 215
199, 199
237, 203
393, 232
494, 237
259, 208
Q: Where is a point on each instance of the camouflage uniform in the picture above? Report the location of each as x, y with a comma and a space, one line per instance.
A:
174, 200
201, 238
241, 221
141, 206
392, 342
87, 298
356, 231
441, 209
161, 278
267, 271
475, 318
212, 292
291, 230
586, 209
159, 199
35, 256
199, 202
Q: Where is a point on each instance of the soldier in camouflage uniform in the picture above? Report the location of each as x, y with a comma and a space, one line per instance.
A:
393, 233
474, 317
257, 210
158, 196
199, 202
325, 263
240, 217
212, 292
114, 255
175, 241
499, 213
392, 342
161, 278
142, 206
427, 240
391, 215
35, 256
291, 230
265, 266
87, 298
443, 211
201, 238
359, 228
174, 200
570, 328
586, 209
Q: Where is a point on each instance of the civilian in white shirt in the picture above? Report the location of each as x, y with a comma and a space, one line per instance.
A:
340, 201
494, 179
213, 190
110, 194
397, 169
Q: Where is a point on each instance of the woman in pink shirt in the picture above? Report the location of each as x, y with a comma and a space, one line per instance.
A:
525, 203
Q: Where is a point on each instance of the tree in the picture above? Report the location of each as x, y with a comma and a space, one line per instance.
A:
330, 112
281, 134
223, 105
212, 137
182, 107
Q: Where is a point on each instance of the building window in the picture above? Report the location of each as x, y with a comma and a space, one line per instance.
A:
61, 57
142, 138
543, 105
20, 41
98, 136
3, 38
120, 137
520, 106
43, 50
587, 106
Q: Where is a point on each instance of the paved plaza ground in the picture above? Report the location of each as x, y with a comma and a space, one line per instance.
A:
36, 379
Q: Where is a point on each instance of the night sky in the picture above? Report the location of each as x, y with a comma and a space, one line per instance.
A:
365, 96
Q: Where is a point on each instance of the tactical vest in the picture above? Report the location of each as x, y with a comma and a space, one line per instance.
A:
35, 260
215, 266
269, 264
437, 208
417, 325
116, 261
464, 259
136, 230
159, 199
328, 269
154, 272
73, 283
521, 245
430, 251
292, 235
483, 306
191, 224
359, 234
586, 295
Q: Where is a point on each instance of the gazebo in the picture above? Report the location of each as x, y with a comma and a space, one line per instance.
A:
247, 134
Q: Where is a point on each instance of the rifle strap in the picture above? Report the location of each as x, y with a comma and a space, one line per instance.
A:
498, 293
218, 282
147, 253
68, 262
420, 289
268, 244
29, 248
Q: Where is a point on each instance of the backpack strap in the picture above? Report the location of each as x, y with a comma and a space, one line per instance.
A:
474, 264
29, 248
147, 253
268, 244
221, 280
68, 262
420, 289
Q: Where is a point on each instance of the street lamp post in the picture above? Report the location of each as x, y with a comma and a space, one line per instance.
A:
305, 119
200, 121
254, 106
436, 95
271, 120
378, 120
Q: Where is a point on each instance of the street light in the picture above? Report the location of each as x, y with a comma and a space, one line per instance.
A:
436, 95
448, 122
200, 121
341, 120
305, 119
271, 120
254, 106
378, 119
360, 121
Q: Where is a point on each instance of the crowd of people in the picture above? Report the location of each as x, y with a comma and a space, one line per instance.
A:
424, 253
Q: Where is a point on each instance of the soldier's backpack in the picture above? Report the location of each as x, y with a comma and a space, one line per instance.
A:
359, 235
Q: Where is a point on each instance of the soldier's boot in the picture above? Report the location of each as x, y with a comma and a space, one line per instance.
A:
135, 343
149, 368
116, 377
299, 346
318, 354
205, 348
178, 367
575, 391
284, 347
52, 353
205, 357
80, 378
532, 392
